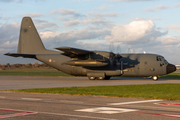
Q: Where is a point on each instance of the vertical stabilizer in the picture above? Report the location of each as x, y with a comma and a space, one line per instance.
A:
29, 39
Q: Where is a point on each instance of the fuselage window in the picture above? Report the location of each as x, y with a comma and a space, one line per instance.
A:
159, 58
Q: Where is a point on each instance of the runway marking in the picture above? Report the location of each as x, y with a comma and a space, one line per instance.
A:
106, 110
18, 113
31, 99
125, 103
99, 118
172, 104
167, 115
69, 115
2, 97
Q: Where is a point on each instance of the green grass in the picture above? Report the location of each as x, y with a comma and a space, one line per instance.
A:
172, 76
149, 91
33, 72
20, 73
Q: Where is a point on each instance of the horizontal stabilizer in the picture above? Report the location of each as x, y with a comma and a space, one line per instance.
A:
21, 55
73, 52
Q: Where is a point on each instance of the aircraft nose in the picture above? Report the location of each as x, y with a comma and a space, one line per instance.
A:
170, 68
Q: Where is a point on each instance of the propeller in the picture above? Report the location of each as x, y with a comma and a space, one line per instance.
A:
114, 59
111, 54
118, 57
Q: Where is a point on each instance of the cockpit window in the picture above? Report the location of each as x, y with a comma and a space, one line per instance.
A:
160, 58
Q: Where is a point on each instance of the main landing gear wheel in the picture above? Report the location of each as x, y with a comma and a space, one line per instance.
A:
100, 78
155, 78
91, 78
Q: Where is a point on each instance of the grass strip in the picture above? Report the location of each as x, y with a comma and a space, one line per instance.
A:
148, 91
55, 74
171, 76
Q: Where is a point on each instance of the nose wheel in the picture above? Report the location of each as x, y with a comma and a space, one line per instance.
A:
155, 78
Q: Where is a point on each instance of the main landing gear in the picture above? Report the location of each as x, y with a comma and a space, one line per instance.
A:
155, 78
100, 78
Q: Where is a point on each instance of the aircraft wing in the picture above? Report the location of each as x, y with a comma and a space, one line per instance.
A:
21, 55
73, 52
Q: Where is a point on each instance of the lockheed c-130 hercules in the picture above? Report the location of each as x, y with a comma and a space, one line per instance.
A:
93, 64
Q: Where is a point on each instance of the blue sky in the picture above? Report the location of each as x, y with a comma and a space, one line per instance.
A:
142, 25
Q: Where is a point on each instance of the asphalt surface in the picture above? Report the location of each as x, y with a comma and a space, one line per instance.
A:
23, 106
31, 106
21, 82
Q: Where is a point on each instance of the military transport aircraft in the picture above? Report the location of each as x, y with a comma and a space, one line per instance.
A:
93, 64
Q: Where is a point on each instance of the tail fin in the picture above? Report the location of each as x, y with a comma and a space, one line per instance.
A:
29, 39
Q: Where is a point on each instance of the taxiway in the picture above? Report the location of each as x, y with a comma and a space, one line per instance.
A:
20, 106
31, 106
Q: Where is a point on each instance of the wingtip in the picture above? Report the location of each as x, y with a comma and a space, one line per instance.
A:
7, 53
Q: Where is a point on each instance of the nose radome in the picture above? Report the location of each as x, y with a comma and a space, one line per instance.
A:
170, 68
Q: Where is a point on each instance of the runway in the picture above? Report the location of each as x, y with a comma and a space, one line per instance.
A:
23, 82
20, 106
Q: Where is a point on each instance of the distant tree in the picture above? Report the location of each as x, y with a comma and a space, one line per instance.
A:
8, 65
30, 64
36, 64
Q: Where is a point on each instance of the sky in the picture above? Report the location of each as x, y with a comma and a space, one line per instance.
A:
132, 26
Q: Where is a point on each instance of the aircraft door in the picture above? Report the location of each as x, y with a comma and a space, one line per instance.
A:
142, 66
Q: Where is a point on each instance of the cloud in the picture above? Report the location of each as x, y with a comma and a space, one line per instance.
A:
43, 24
7, 0
104, 7
142, 18
170, 40
72, 22
92, 19
67, 12
173, 27
156, 8
74, 35
33, 14
95, 45
135, 32
104, 15
7, 18
9, 37
176, 5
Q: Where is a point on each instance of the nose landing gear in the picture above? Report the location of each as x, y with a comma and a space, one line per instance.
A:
155, 78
